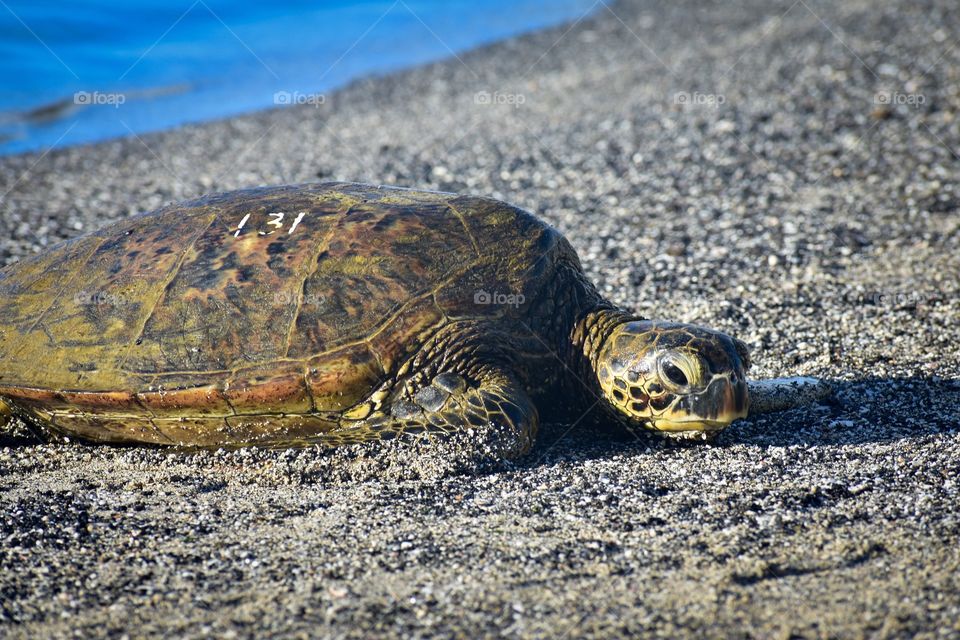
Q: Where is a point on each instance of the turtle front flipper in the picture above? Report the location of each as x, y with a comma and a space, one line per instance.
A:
493, 410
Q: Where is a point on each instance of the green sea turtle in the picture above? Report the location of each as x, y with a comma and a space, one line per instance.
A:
340, 313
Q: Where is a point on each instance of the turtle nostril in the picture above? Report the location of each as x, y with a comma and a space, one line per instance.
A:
675, 374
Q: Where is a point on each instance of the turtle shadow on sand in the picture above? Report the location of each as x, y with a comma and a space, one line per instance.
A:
15, 440
15, 434
861, 411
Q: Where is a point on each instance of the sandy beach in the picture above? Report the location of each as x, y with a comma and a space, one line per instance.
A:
783, 171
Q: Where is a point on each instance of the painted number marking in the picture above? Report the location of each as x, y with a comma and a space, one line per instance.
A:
276, 222
296, 221
240, 226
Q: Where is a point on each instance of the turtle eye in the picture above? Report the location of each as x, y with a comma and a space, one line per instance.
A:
678, 371
674, 374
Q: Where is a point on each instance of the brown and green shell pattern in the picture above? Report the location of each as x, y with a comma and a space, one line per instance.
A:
264, 314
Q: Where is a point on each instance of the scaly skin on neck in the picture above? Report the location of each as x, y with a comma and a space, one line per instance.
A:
573, 320
583, 345
589, 332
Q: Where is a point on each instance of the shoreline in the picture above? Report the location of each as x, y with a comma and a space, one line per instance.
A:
799, 213
271, 72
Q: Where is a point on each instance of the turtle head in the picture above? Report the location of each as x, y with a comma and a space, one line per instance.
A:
673, 377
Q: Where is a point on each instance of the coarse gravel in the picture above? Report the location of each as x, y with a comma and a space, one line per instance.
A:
784, 171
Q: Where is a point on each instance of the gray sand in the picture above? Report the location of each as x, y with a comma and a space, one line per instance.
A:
805, 214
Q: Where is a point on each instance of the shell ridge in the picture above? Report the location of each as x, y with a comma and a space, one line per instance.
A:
466, 227
171, 276
414, 299
66, 285
322, 244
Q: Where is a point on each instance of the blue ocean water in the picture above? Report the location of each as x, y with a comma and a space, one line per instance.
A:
86, 70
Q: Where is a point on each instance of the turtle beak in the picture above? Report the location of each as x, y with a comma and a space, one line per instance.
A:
724, 400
